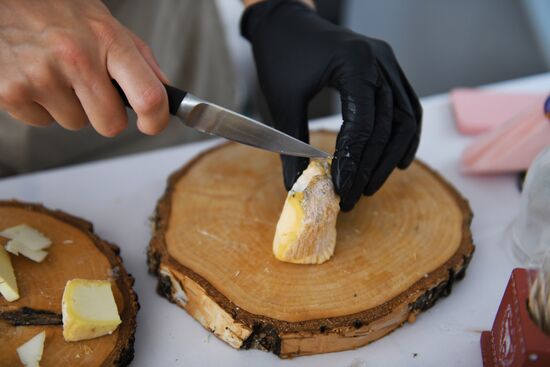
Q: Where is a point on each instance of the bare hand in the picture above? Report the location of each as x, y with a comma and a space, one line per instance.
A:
57, 59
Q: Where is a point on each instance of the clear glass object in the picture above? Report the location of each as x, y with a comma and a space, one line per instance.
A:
531, 228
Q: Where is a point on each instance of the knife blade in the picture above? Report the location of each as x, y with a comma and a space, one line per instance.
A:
216, 120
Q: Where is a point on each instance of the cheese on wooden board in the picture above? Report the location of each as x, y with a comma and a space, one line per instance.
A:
8, 283
30, 353
306, 231
88, 309
19, 248
26, 241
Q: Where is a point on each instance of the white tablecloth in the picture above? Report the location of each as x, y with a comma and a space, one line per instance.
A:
119, 195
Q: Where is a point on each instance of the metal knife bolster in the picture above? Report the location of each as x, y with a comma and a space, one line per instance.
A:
187, 113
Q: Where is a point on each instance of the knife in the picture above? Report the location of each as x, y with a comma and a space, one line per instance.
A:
215, 120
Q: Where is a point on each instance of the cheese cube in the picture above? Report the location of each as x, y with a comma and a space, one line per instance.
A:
89, 309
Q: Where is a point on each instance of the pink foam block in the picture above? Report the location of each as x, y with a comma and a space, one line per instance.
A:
510, 147
478, 110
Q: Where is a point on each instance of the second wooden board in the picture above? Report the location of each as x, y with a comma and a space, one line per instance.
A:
396, 253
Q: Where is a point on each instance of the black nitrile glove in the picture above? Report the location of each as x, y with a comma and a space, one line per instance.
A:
297, 53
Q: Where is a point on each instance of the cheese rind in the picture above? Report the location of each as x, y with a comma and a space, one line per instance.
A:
88, 309
8, 283
30, 353
288, 227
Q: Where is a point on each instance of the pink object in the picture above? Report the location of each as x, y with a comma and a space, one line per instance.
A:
479, 110
510, 147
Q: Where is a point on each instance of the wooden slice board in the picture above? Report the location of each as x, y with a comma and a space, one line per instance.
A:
76, 252
397, 253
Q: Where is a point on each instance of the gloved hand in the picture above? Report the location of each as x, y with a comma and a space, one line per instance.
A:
297, 53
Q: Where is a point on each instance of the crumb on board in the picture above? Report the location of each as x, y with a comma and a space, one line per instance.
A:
68, 241
237, 273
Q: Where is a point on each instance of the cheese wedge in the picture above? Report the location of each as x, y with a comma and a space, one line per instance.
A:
30, 353
306, 231
8, 283
16, 248
26, 241
88, 309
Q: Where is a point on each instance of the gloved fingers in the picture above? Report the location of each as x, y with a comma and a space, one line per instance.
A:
292, 120
404, 127
413, 98
409, 155
417, 111
372, 154
391, 70
358, 111
404, 97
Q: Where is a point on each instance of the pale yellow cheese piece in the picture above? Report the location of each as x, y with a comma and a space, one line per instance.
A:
306, 230
26, 241
16, 248
30, 353
88, 309
8, 283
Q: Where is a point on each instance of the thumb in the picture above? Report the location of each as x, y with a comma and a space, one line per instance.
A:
292, 120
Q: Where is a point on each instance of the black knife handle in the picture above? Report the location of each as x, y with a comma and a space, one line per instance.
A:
175, 96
